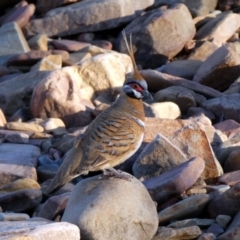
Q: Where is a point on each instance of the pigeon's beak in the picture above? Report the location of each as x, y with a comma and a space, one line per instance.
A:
147, 95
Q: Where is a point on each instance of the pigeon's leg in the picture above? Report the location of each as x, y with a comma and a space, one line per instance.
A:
112, 172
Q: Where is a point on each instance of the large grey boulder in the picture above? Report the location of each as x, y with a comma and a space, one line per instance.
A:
112, 208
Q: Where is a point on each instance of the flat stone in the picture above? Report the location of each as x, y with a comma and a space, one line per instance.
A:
14, 136
69, 45
212, 73
3, 120
38, 230
20, 15
228, 127
66, 20
156, 158
76, 58
18, 161
176, 234
157, 81
230, 178
226, 203
192, 222
32, 57
182, 68
175, 181
191, 206
21, 200
53, 206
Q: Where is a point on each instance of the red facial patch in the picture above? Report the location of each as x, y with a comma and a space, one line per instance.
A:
136, 87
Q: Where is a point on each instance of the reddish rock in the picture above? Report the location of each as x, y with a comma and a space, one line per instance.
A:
228, 127
20, 15
230, 178
53, 206
233, 162
102, 44
227, 203
32, 57
69, 45
175, 181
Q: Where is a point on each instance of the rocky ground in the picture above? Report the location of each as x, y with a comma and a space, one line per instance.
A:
62, 62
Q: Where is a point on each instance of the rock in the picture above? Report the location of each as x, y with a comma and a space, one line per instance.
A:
212, 73
220, 29
66, 20
53, 125
17, 161
3, 120
156, 158
202, 50
227, 203
49, 63
21, 126
102, 44
223, 220
6, 217
230, 178
182, 68
94, 197
86, 37
198, 111
234, 87
157, 81
191, 222
44, 6
202, 20
14, 136
228, 127
20, 15
76, 58
232, 163
176, 234
152, 28
21, 200
11, 94
232, 232
191, 206
20, 184
53, 206
69, 45
182, 96
59, 96
38, 230
12, 41
38, 42
168, 110
197, 8
32, 57
224, 107
175, 181
215, 229
207, 236
4, 71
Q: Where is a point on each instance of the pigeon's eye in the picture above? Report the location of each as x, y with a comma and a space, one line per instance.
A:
136, 87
